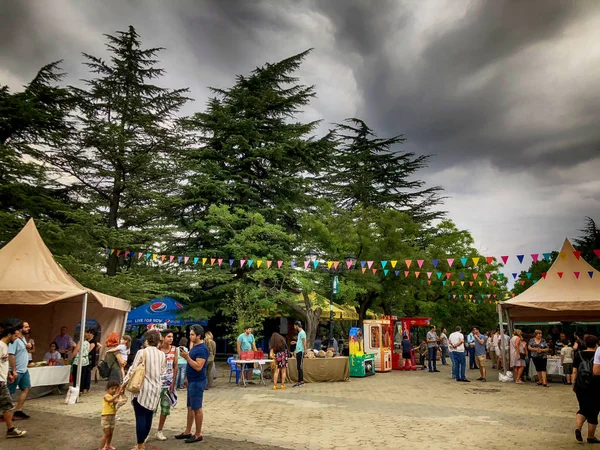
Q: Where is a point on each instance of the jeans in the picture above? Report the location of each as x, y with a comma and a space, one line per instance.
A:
180, 375
86, 377
143, 421
300, 366
461, 362
444, 350
472, 364
454, 365
433, 357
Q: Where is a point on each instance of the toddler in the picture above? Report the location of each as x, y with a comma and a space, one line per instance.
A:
123, 350
109, 412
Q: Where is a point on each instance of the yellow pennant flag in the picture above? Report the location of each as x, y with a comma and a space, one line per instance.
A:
475, 261
329, 264
481, 283
394, 264
470, 296
204, 261
154, 255
462, 283
259, 263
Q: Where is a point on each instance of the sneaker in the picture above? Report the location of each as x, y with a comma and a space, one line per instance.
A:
117, 417
578, 436
21, 415
160, 436
593, 440
16, 433
296, 385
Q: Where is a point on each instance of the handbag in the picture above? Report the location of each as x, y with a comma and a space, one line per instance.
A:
134, 385
522, 355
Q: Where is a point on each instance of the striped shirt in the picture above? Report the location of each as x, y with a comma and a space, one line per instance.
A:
149, 394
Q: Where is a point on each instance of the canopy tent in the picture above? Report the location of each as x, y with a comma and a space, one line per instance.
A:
36, 289
160, 310
570, 292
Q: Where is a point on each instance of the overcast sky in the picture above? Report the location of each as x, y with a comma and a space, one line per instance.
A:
505, 94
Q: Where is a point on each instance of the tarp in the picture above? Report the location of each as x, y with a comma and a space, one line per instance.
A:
160, 310
566, 298
36, 289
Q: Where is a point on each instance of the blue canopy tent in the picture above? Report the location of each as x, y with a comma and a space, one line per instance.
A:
161, 310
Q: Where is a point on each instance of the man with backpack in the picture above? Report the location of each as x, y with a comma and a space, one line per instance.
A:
587, 389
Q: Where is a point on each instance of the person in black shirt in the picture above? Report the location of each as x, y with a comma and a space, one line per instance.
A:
587, 392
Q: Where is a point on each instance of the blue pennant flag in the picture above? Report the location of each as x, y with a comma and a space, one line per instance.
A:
108, 251
422, 281
461, 275
529, 275
316, 264
179, 258
439, 275
505, 282
148, 255
591, 274
515, 275
383, 264
547, 256
449, 295
535, 281
397, 272
362, 264
231, 261
464, 261
293, 263
196, 259
520, 258
444, 282
385, 272
435, 263
250, 261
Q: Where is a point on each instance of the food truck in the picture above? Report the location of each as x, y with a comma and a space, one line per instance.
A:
361, 364
378, 340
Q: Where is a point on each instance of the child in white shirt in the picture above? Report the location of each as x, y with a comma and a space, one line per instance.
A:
124, 351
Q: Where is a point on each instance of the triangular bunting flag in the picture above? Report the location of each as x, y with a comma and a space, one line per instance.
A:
577, 274
444, 282
154, 255
480, 283
394, 263
448, 274
520, 258
429, 275
186, 259
369, 264
385, 272
348, 264
220, 261
408, 262
196, 260
140, 255
462, 283
374, 271
435, 263
420, 262
269, 263
363, 270
494, 295
523, 282
452, 283
204, 261
336, 264
258, 263
494, 283
148, 255
242, 262
397, 272
292, 264
529, 275
179, 258
461, 275
577, 254
450, 262
212, 261
171, 258
306, 263
488, 275
362, 264
515, 276
383, 264
231, 261
439, 275
476, 261
535, 256
470, 295
118, 252
464, 261
560, 274
465, 296
417, 274
406, 272
475, 275
315, 264
162, 258
429, 282
329, 264
500, 276
489, 259
111, 251
454, 296
250, 261
535, 281
505, 282
470, 283
597, 253
547, 256
504, 259
591, 274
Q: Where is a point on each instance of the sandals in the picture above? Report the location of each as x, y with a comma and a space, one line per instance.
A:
193, 439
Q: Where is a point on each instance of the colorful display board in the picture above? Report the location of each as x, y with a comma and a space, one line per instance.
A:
361, 364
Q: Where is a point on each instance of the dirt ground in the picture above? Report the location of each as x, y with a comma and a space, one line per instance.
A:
416, 410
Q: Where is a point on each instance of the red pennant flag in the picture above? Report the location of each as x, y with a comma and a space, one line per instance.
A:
127, 253
162, 258
494, 295
494, 283
513, 295
220, 261
544, 275
171, 258
577, 254
470, 283
269, 263
489, 259
429, 282
504, 259
417, 274
363, 270
420, 262
523, 282
336, 264
475, 276
279, 264
535, 256
451, 261
452, 283
576, 274
408, 262
406, 272
118, 252
448, 274
374, 271
597, 252
212, 261
560, 274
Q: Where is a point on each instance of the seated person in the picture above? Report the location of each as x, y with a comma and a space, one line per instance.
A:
332, 344
53, 354
318, 345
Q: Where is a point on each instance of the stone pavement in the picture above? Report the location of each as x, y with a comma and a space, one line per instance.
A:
417, 410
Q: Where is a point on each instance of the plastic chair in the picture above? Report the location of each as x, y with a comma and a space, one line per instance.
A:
234, 369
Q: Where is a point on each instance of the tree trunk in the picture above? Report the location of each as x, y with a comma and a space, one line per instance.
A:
312, 326
364, 305
113, 222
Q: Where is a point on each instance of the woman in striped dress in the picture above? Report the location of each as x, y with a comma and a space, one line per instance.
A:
146, 401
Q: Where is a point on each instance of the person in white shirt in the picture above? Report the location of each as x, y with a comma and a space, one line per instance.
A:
6, 404
456, 342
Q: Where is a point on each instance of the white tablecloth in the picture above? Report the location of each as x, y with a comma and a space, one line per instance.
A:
553, 367
49, 375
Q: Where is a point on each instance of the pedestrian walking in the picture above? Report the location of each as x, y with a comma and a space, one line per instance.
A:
18, 358
7, 335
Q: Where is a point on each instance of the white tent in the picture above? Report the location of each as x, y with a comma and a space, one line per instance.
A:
36, 289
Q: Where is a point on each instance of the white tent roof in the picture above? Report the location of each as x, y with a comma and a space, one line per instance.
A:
567, 298
30, 275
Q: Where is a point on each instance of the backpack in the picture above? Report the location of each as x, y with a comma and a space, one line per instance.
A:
585, 373
103, 369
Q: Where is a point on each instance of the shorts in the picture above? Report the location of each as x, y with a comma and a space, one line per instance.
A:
540, 364
108, 421
568, 368
406, 355
195, 394
281, 360
165, 402
23, 381
6, 403
481, 359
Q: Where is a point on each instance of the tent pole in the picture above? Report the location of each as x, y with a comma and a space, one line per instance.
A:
81, 337
125, 323
502, 344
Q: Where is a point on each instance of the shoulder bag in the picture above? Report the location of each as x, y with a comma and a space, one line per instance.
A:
134, 385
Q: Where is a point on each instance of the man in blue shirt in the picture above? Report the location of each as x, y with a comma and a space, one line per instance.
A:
197, 380
300, 346
471, 351
246, 343
480, 352
18, 358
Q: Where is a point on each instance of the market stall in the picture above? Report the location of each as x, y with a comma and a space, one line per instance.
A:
321, 369
45, 379
36, 289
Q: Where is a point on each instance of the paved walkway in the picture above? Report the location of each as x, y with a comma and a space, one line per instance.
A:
417, 410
